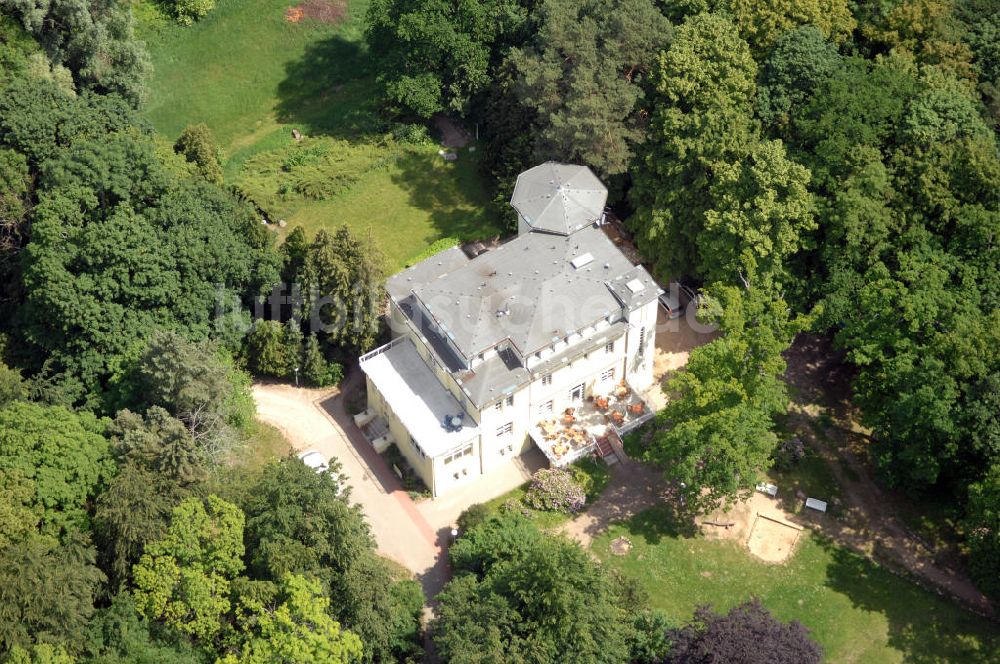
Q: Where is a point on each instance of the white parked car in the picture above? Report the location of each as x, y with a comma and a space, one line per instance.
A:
314, 460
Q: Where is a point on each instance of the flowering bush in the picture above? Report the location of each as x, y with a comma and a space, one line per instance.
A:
554, 490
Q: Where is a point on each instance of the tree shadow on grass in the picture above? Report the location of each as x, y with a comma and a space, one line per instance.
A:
440, 188
661, 521
925, 627
330, 90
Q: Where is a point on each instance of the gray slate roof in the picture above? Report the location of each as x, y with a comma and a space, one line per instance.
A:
529, 292
559, 198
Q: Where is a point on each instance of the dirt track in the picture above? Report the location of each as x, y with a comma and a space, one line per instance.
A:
822, 384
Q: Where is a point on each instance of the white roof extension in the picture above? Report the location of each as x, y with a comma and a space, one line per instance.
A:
417, 397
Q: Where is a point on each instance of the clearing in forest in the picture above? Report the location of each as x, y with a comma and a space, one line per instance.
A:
253, 76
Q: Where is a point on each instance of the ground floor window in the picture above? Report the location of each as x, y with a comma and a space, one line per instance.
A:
576, 393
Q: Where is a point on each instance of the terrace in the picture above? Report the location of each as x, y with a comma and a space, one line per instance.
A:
576, 432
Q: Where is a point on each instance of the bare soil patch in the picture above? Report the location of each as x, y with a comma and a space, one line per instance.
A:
453, 135
323, 11
771, 540
759, 523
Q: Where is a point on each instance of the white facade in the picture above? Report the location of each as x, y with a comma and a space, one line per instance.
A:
502, 425
486, 347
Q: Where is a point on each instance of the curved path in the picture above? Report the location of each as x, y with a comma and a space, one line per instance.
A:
316, 419
871, 521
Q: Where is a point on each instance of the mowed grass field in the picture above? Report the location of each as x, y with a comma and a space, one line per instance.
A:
252, 76
857, 610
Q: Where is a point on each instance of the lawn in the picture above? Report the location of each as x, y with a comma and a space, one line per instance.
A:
252, 77
858, 611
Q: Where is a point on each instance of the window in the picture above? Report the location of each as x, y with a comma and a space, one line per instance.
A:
576, 393
547, 379
608, 375
642, 341
499, 405
545, 408
610, 348
510, 400
458, 454
413, 443
505, 430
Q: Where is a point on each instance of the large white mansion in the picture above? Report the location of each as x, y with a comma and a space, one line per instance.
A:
547, 340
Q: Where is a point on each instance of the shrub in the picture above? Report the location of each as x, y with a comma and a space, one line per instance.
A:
188, 11
472, 517
790, 453
555, 490
411, 133
198, 146
592, 475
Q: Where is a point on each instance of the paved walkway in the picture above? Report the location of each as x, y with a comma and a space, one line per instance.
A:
313, 419
414, 534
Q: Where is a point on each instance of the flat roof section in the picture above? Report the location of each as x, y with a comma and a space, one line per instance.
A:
417, 397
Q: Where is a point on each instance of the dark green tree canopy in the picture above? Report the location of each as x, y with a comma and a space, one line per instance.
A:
93, 38
799, 61
436, 56
158, 255
521, 595
582, 74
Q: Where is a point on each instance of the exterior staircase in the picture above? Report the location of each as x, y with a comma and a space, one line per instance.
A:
606, 451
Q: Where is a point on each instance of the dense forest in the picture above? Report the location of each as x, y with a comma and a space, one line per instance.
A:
132, 526
823, 165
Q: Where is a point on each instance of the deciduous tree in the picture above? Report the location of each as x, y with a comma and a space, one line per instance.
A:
183, 579
64, 454
299, 629
437, 56
541, 599
747, 633
95, 39
982, 524
702, 122
717, 432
